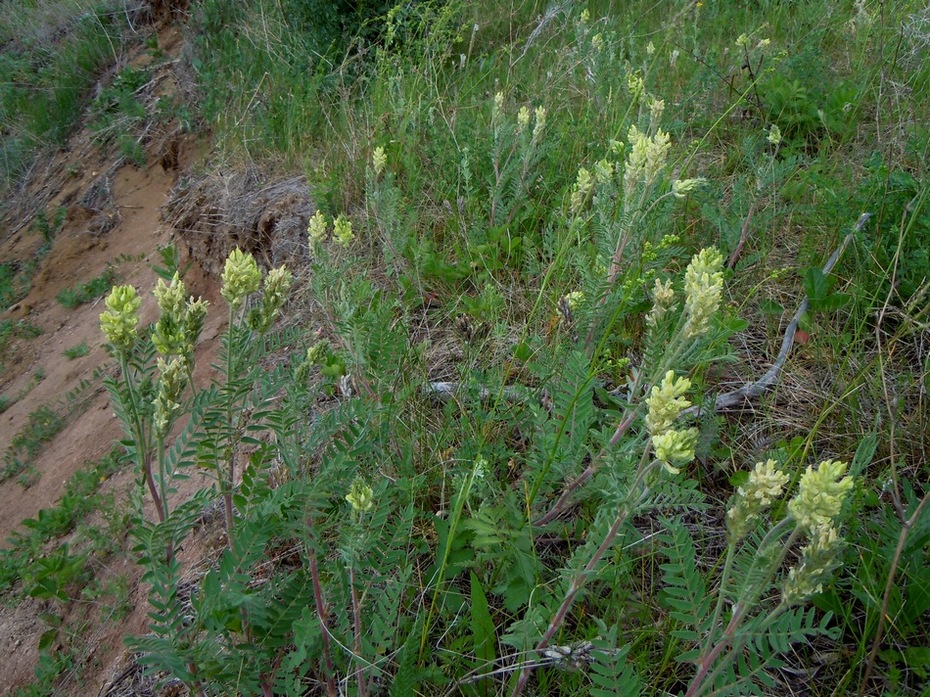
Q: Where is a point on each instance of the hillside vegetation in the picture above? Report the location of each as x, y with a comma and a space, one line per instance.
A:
602, 368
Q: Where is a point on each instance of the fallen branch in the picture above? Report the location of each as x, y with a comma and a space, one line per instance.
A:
738, 398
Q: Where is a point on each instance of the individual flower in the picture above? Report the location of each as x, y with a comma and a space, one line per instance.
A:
241, 277
665, 402
360, 496
342, 231
523, 119
774, 135
764, 485
703, 289
119, 321
675, 448
378, 160
820, 494
663, 295
683, 187
316, 229
818, 559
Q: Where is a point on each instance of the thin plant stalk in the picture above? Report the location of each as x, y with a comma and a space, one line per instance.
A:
357, 631
581, 578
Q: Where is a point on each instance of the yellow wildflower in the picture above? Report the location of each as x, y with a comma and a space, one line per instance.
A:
675, 448
665, 402
241, 277
703, 289
316, 229
765, 484
342, 231
820, 494
360, 496
119, 321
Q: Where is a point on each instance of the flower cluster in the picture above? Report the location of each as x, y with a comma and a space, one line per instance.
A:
119, 321
241, 277
672, 447
378, 160
765, 484
662, 298
818, 559
703, 289
646, 158
584, 184
360, 496
274, 293
317, 229
178, 328
342, 231
820, 495
170, 386
683, 187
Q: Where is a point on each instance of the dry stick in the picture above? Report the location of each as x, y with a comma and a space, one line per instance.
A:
724, 402
731, 400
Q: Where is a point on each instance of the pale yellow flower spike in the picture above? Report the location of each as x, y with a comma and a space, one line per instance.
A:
360, 496
675, 448
703, 290
119, 321
820, 495
342, 231
523, 119
765, 484
818, 559
241, 277
665, 402
378, 160
317, 229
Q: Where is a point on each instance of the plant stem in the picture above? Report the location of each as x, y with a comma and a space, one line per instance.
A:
581, 578
331, 690
889, 585
357, 628
143, 456
227, 482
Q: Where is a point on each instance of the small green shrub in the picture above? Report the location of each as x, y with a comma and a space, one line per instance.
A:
87, 292
43, 425
78, 351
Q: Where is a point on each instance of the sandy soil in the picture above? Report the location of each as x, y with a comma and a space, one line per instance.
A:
113, 217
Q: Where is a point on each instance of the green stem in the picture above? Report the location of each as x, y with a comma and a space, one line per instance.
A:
721, 593
143, 452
